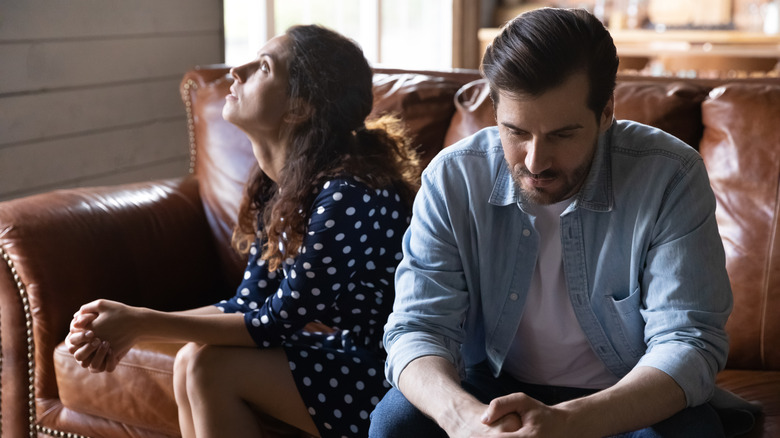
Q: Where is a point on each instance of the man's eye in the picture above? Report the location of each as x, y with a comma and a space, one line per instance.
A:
264, 67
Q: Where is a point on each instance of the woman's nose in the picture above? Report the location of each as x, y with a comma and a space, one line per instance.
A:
238, 73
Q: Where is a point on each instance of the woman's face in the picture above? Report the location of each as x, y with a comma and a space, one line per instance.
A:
258, 98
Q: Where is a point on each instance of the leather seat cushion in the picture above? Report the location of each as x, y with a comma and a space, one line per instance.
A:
761, 387
139, 392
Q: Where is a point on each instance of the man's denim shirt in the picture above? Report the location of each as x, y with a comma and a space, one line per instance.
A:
642, 257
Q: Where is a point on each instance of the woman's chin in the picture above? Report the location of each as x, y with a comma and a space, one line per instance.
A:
226, 112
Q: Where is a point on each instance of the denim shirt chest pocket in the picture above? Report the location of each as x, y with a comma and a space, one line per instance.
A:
627, 324
610, 323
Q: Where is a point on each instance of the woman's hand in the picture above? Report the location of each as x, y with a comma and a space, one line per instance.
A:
102, 332
85, 347
318, 327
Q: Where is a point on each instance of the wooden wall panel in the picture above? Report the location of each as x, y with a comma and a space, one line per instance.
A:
41, 165
41, 116
89, 89
59, 64
147, 172
47, 19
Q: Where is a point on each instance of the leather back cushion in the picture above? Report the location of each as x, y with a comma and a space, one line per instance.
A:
223, 156
425, 103
674, 107
741, 149
473, 111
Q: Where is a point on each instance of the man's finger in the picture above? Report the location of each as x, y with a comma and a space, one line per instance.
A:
501, 406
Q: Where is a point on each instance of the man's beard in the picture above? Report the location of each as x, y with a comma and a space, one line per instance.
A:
573, 181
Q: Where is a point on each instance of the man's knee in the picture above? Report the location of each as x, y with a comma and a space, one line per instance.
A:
697, 422
394, 417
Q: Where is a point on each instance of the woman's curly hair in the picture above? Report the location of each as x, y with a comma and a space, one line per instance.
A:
331, 82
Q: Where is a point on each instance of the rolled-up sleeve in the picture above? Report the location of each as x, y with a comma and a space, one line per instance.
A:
431, 294
686, 290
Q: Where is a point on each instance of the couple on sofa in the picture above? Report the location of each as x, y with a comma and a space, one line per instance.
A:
540, 290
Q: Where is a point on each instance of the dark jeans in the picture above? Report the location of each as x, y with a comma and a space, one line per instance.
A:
394, 416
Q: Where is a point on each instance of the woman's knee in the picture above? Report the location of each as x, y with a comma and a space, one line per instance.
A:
196, 368
180, 365
183, 356
182, 360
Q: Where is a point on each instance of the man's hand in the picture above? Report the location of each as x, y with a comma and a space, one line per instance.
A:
537, 419
431, 383
642, 398
469, 423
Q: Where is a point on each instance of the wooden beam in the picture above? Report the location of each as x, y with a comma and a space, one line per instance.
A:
465, 26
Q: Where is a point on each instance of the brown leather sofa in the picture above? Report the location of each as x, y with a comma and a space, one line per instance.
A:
165, 244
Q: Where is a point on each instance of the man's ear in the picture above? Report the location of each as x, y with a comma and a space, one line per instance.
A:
607, 115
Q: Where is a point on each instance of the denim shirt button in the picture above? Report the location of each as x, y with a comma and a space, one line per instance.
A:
513, 297
526, 232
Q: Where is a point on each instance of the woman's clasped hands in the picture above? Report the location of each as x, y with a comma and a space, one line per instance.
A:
101, 333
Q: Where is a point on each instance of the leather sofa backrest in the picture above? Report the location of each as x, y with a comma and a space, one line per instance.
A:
734, 128
674, 107
741, 149
221, 157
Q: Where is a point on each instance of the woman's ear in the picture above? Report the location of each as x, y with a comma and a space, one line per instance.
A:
298, 112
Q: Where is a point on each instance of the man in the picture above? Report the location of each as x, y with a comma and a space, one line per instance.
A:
563, 275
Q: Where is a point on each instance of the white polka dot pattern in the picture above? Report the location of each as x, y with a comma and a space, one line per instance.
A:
343, 278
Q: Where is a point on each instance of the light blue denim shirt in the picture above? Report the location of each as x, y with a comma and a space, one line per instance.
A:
642, 257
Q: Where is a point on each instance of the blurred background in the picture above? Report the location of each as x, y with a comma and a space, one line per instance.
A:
89, 89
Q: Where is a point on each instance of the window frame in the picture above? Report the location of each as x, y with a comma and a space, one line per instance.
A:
464, 27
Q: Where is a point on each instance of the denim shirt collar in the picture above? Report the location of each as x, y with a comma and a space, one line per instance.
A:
596, 194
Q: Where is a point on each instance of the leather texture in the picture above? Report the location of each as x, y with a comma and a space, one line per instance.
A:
143, 375
741, 150
166, 244
674, 107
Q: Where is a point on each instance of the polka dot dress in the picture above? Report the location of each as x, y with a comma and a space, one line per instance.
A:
343, 278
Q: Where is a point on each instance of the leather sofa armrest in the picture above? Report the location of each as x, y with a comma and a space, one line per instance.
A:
146, 244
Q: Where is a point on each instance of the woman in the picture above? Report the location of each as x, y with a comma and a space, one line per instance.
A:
322, 221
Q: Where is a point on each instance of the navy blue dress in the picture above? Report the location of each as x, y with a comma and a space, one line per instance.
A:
343, 278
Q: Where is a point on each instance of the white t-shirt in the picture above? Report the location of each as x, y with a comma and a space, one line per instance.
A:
550, 347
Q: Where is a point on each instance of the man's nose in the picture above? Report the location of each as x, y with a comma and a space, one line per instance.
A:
537, 158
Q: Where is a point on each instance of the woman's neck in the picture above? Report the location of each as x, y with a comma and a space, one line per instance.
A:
270, 156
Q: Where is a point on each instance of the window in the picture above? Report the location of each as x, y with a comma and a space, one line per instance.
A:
414, 34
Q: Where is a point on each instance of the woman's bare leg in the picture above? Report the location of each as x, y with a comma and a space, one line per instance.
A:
180, 366
227, 386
